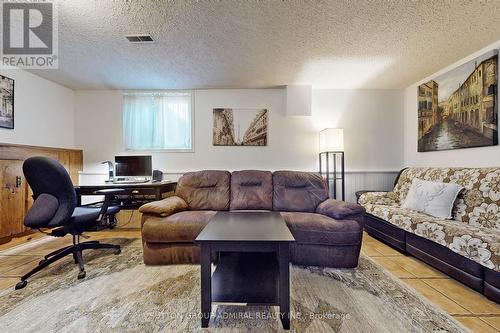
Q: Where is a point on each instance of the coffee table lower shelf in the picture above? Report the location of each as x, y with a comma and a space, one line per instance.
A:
250, 278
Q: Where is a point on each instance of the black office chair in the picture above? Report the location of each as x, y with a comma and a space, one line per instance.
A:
55, 209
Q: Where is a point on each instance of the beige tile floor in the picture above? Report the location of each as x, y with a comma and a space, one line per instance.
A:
469, 307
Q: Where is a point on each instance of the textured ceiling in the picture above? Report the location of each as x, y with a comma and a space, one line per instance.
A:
240, 43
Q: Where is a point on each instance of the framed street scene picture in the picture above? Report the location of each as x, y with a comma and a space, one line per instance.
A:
6, 102
240, 127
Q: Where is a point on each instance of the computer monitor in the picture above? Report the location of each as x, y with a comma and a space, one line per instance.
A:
133, 166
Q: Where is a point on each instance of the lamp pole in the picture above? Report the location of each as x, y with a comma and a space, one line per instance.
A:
331, 146
338, 174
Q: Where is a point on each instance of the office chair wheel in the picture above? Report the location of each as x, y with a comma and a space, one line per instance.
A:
21, 284
118, 251
81, 275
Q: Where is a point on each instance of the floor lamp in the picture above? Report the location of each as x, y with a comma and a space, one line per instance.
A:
331, 159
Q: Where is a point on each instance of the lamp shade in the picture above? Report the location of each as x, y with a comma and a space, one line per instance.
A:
331, 139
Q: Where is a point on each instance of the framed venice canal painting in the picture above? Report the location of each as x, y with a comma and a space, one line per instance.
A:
459, 108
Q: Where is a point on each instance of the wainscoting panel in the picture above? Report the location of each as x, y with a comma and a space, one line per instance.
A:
368, 180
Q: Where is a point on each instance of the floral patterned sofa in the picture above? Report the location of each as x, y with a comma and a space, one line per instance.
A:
466, 247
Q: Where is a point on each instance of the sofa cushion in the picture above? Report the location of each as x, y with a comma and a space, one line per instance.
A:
180, 227
311, 228
298, 191
251, 189
205, 190
476, 243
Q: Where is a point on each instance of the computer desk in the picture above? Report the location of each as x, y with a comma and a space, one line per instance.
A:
135, 194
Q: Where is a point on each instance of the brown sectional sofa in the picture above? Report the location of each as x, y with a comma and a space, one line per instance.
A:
327, 232
466, 247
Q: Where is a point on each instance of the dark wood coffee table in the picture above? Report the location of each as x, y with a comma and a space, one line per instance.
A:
253, 262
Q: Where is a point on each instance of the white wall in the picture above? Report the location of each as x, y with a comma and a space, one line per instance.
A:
469, 157
43, 112
372, 121
101, 112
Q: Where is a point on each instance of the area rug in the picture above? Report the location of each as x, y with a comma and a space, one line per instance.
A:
121, 294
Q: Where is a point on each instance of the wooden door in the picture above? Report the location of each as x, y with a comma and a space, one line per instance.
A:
13, 194
75, 165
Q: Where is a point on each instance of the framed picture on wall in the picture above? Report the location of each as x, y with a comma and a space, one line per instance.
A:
6, 102
240, 127
459, 108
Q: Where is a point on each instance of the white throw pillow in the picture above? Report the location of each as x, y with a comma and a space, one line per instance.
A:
432, 198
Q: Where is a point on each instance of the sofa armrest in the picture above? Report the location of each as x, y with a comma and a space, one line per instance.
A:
379, 198
165, 207
339, 209
360, 193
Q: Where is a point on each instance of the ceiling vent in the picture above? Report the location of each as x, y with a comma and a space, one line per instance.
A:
140, 38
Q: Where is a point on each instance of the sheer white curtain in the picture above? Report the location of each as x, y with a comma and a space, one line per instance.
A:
157, 120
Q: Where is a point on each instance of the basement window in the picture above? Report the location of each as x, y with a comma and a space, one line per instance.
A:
158, 121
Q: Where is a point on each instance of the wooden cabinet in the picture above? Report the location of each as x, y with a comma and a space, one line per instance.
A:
12, 198
15, 194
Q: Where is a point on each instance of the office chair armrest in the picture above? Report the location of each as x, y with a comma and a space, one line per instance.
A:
108, 195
